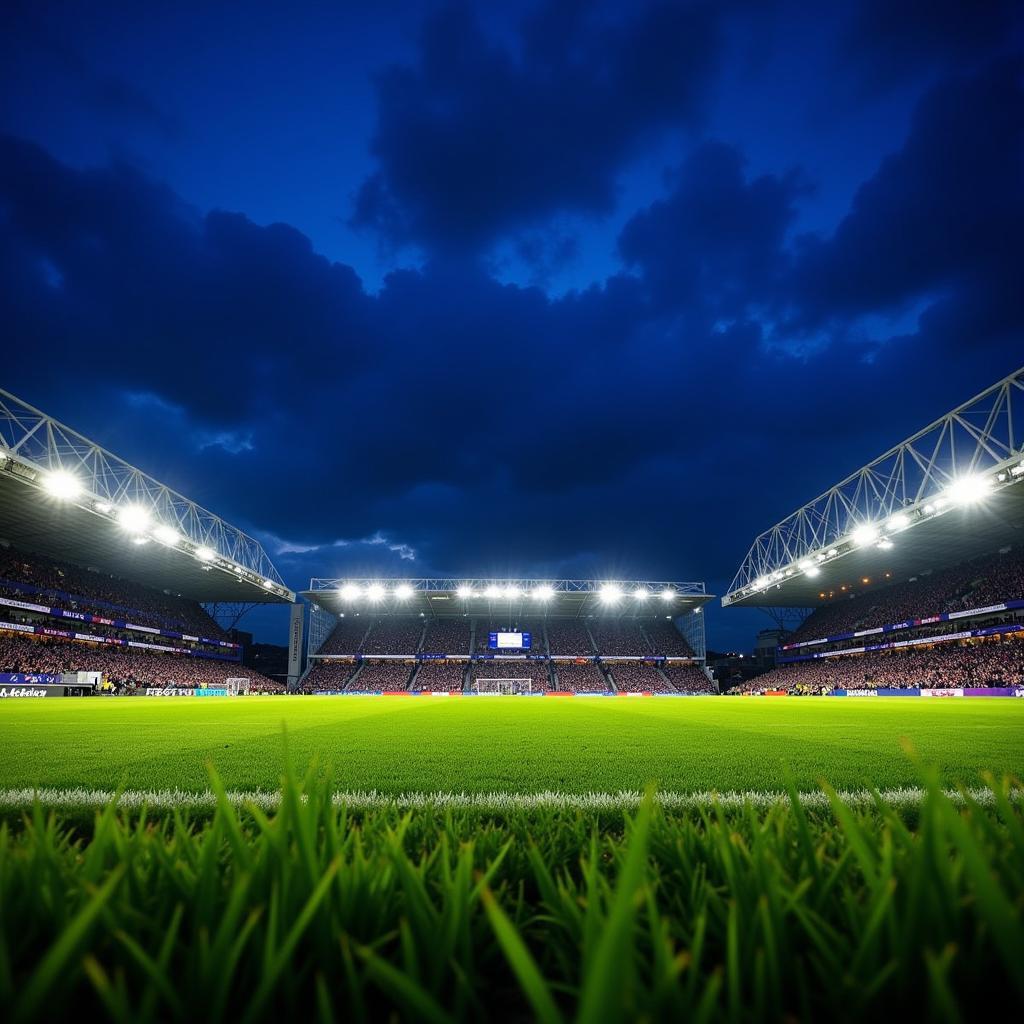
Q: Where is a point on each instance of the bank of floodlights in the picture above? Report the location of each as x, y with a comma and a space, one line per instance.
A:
63, 485
544, 592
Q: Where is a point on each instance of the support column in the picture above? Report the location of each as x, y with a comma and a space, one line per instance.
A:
295, 636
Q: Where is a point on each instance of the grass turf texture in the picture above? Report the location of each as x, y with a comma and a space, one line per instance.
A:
506, 745
317, 912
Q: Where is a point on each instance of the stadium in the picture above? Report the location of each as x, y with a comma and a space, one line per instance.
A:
906, 579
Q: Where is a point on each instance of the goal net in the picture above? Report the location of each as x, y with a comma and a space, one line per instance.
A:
502, 686
236, 686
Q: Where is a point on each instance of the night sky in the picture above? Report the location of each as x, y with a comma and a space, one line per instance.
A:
560, 289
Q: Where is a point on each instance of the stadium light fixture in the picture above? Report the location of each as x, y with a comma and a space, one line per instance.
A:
1018, 470
641, 593
864, 534
969, 490
543, 592
167, 535
610, 593
812, 571
103, 507
832, 552
268, 584
375, 592
820, 556
929, 509
512, 592
205, 554
804, 566
403, 591
899, 521
62, 484
667, 594
885, 544
464, 592
134, 518
349, 592
493, 592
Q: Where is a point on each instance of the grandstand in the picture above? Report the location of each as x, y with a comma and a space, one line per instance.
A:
105, 570
910, 572
568, 636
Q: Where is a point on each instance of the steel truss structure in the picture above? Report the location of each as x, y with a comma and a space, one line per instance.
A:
451, 585
983, 439
33, 444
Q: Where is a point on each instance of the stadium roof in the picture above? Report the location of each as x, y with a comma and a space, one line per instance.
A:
64, 496
444, 597
953, 491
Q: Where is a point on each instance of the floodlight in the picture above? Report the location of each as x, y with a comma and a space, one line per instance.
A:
403, 591
62, 484
762, 583
205, 554
134, 518
929, 509
641, 593
493, 592
820, 556
885, 544
804, 566
268, 584
512, 592
140, 539
667, 594
812, 571
969, 490
103, 507
865, 534
464, 592
167, 535
350, 592
776, 576
610, 593
375, 592
832, 552
543, 592
1018, 470
899, 521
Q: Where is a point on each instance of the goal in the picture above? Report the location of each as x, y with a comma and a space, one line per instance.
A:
236, 686
494, 687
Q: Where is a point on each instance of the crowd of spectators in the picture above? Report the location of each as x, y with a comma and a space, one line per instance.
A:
568, 636
394, 635
666, 640
375, 676
327, 676
586, 678
689, 679
101, 594
347, 636
126, 668
618, 637
944, 666
638, 677
440, 675
447, 636
977, 584
536, 671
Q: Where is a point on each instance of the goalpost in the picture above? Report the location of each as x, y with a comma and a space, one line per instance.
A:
496, 687
236, 686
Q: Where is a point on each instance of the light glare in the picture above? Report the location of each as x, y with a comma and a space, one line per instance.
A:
350, 592
543, 592
969, 490
865, 534
134, 518
403, 592
205, 554
62, 484
610, 593
167, 535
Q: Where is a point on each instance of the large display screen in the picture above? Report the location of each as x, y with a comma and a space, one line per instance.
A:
509, 641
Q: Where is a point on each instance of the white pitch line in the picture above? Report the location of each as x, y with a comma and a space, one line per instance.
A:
501, 800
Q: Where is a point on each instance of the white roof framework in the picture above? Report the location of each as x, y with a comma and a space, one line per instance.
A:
952, 491
450, 596
67, 497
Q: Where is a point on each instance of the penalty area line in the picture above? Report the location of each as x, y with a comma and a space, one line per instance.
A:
157, 799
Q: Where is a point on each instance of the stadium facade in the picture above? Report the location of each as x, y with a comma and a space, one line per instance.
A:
910, 571
551, 636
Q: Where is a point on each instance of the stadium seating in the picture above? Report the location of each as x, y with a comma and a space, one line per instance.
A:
976, 584
440, 675
347, 636
328, 676
568, 636
688, 679
665, 639
535, 671
636, 677
618, 637
69, 586
990, 663
394, 635
375, 676
127, 668
581, 678
447, 636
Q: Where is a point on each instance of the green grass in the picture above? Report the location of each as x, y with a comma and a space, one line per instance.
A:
400, 745
319, 913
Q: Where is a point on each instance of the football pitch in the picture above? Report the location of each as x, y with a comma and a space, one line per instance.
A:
506, 745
